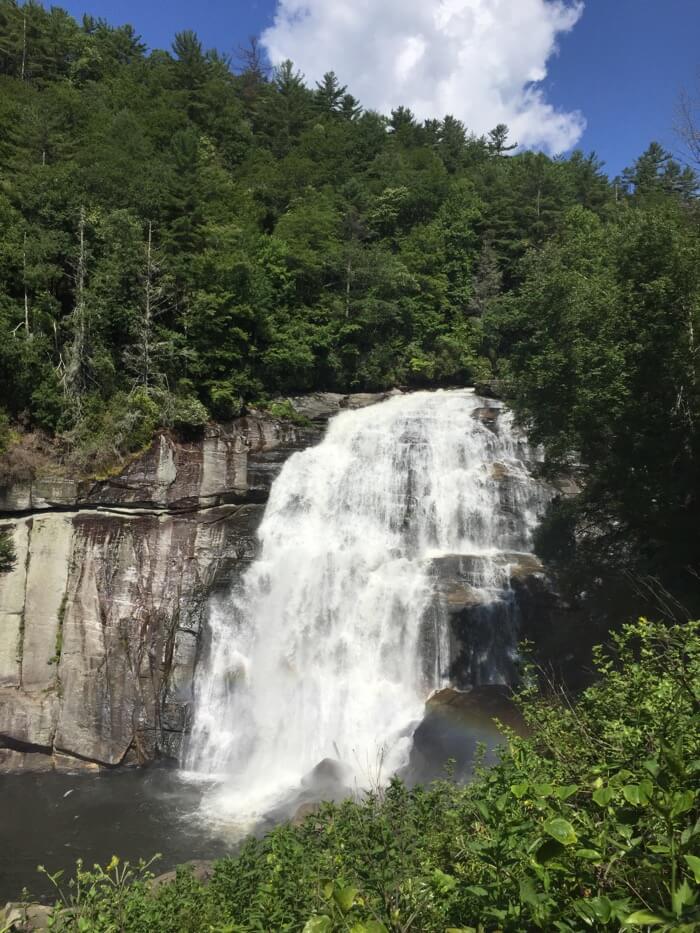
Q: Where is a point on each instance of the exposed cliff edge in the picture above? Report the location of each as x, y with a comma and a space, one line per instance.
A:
101, 617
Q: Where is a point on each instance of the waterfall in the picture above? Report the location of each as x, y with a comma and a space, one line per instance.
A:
331, 643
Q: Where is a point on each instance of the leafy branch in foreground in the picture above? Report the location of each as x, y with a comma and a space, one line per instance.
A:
591, 823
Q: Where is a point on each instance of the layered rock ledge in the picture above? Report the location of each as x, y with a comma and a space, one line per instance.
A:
101, 616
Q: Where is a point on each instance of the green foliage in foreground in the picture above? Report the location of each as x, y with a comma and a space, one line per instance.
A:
593, 823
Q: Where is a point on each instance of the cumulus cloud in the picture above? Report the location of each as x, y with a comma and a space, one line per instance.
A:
482, 61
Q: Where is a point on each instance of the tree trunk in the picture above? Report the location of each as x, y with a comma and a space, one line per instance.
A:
24, 43
24, 281
147, 307
347, 287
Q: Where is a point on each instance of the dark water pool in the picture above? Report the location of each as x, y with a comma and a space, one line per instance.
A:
53, 819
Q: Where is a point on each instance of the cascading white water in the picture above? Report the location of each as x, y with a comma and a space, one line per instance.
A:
331, 644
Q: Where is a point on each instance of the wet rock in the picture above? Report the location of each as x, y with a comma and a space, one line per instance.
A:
481, 597
328, 774
25, 918
492, 701
491, 389
459, 596
454, 723
310, 808
14, 762
488, 416
323, 405
202, 870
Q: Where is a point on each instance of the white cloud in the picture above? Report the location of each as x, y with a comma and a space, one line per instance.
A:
479, 60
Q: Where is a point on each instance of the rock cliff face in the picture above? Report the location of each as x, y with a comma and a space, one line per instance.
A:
101, 616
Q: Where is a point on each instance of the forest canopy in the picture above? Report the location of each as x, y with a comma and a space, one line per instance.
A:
183, 235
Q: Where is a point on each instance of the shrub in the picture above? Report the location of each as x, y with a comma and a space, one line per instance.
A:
285, 411
7, 552
5, 432
592, 823
226, 402
186, 414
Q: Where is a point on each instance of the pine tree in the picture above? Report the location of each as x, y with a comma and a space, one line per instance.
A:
330, 93
498, 138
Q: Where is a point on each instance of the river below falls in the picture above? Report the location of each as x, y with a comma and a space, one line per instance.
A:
54, 819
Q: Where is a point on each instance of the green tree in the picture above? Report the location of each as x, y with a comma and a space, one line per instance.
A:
600, 341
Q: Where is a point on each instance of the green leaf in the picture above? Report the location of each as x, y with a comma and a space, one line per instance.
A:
528, 894
603, 795
681, 897
443, 881
561, 830
682, 802
483, 810
642, 918
694, 865
652, 766
345, 897
601, 907
543, 790
592, 855
477, 890
369, 926
519, 790
563, 793
318, 925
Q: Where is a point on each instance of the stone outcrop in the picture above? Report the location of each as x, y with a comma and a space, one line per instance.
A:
454, 723
323, 405
101, 616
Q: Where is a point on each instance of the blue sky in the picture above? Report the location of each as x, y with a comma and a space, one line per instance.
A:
621, 65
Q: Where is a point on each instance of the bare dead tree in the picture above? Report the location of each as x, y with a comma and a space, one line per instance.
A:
141, 358
687, 123
74, 371
23, 66
24, 282
252, 60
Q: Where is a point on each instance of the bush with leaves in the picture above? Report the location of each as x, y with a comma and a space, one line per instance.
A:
591, 823
5, 432
7, 552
